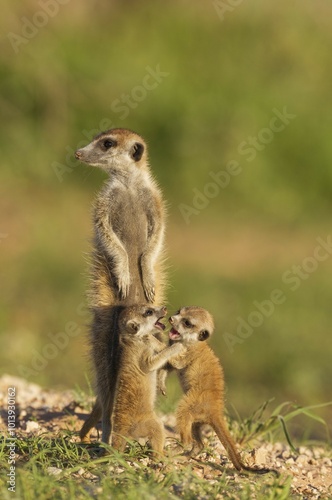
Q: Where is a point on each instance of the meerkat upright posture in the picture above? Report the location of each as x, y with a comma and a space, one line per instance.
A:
202, 380
129, 223
141, 354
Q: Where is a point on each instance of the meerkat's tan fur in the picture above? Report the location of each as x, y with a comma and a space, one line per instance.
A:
126, 262
141, 355
202, 380
129, 222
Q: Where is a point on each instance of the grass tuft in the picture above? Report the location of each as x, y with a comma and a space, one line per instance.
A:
257, 426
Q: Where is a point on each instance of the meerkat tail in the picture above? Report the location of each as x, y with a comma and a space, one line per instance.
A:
105, 353
107, 402
227, 441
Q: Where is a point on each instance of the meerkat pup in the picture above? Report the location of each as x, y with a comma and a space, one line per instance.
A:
202, 380
141, 355
126, 262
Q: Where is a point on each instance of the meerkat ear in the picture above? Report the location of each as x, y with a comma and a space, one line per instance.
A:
133, 326
137, 151
203, 335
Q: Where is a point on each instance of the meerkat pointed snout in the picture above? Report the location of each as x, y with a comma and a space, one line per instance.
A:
114, 149
187, 325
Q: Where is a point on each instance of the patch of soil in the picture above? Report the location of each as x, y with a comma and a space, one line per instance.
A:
39, 411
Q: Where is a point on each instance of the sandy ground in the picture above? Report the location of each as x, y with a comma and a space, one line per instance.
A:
45, 411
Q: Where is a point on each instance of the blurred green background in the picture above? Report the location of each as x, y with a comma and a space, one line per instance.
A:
202, 83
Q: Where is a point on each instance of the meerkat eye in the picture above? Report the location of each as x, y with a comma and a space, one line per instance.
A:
108, 143
187, 323
148, 312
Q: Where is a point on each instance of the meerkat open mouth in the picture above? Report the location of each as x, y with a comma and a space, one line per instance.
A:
160, 325
174, 334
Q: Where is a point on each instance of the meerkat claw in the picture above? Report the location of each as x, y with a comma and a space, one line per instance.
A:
149, 293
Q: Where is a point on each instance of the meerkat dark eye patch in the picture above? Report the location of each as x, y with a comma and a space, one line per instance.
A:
187, 323
148, 312
203, 335
137, 151
108, 143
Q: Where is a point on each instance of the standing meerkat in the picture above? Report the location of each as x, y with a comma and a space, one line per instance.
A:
141, 354
126, 267
202, 380
129, 222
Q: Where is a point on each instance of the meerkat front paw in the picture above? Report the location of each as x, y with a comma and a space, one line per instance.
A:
178, 349
178, 359
161, 381
124, 284
162, 388
149, 288
148, 278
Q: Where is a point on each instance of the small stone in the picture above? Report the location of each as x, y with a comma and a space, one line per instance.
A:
54, 471
261, 456
32, 426
301, 460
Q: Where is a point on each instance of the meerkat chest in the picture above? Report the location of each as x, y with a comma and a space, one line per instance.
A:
129, 213
151, 384
188, 377
135, 382
193, 375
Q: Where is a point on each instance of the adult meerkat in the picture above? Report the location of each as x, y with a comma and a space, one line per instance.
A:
129, 224
141, 354
202, 380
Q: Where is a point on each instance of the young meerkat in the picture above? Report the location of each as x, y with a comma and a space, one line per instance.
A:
141, 354
126, 261
202, 380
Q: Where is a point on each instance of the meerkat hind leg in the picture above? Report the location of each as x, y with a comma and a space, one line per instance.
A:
198, 438
92, 421
184, 425
153, 429
118, 440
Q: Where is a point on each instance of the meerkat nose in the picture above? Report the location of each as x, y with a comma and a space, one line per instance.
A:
170, 319
78, 154
164, 310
